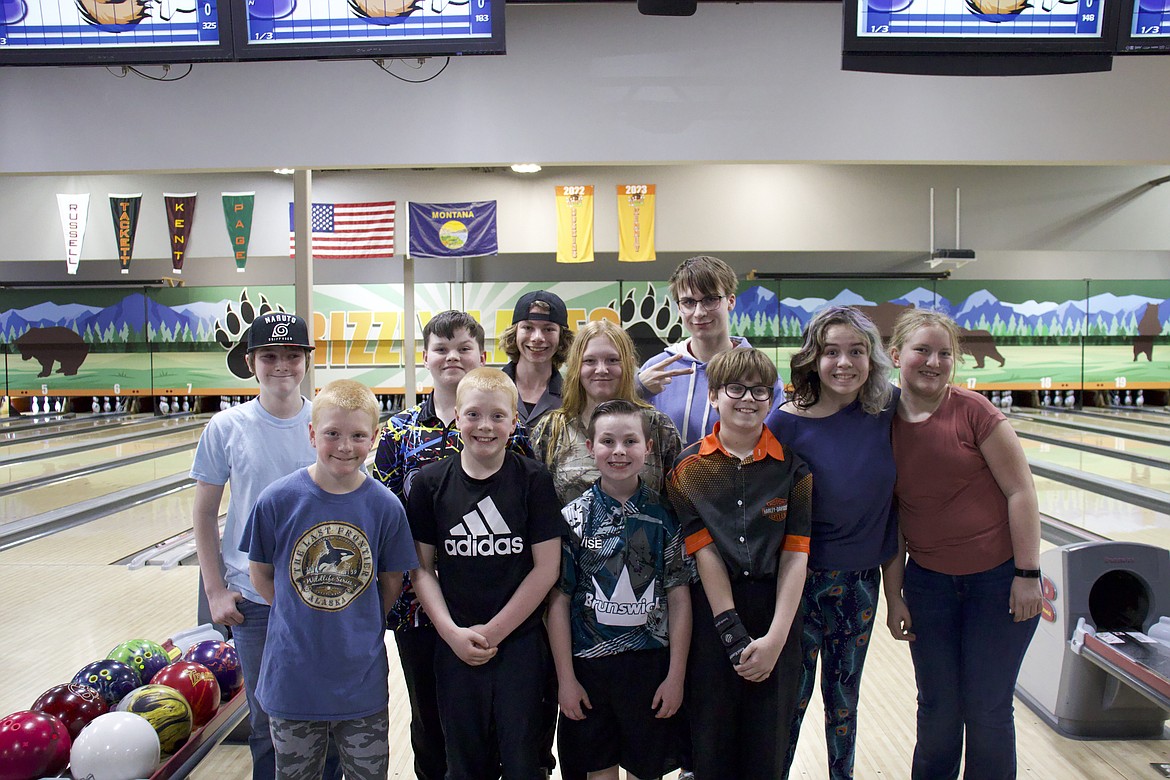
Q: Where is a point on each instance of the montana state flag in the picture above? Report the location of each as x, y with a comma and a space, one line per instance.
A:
180, 216
124, 209
635, 223
575, 224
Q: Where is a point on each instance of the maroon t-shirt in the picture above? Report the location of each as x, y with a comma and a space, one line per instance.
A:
950, 508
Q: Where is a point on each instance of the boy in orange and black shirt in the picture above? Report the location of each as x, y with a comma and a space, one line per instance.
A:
744, 503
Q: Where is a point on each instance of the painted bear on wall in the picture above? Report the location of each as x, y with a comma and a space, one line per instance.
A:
47, 345
1148, 328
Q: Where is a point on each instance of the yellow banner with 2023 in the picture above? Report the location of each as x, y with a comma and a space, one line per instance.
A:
635, 223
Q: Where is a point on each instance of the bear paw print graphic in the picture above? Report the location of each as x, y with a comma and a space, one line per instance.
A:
232, 332
651, 321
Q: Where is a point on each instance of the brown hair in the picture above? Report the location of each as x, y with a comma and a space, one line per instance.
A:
806, 383
735, 365
704, 275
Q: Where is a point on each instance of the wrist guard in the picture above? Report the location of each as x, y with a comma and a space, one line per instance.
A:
732, 634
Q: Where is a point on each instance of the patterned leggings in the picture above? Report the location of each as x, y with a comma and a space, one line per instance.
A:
838, 611
363, 744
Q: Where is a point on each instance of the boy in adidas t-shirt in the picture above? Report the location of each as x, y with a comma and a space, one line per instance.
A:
620, 617
489, 520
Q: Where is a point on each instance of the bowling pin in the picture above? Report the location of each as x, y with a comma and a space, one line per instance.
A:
1139, 401
186, 405
106, 404
236, 401
36, 409
1046, 399
995, 398
1128, 398
96, 405
4, 408
163, 407
1006, 402
1070, 399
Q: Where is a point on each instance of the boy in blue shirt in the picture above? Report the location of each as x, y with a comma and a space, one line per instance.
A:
327, 546
620, 617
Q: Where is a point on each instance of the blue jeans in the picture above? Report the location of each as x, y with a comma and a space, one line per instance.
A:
249, 637
966, 656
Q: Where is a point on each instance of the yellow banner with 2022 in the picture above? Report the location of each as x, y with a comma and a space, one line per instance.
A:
575, 224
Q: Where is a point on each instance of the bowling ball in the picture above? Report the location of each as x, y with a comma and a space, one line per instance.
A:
115, 746
112, 679
198, 686
223, 661
74, 705
145, 656
165, 709
32, 744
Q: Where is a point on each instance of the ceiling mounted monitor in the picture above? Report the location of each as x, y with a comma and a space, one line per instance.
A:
113, 32
1145, 27
366, 29
979, 37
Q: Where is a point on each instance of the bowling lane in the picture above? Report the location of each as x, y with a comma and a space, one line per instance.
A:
1102, 515
1101, 465
63, 494
96, 435
1092, 439
98, 455
19, 428
1120, 427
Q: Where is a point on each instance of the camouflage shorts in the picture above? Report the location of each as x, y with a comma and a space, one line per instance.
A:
363, 745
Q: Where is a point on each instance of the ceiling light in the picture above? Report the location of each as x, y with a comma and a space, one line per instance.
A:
284, 171
526, 168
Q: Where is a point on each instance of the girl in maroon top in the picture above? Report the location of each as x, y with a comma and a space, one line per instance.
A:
968, 598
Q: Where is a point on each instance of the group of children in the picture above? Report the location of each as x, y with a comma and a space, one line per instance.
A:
631, 631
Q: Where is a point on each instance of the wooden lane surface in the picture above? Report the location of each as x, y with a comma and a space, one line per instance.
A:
95, 435
1073, 436
47, 466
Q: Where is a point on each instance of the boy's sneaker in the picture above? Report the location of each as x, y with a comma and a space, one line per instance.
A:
686, 774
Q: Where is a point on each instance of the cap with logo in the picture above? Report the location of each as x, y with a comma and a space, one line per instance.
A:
557, 313
278, 329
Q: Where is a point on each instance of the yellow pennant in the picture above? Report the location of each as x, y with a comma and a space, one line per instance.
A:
575, 224
635, 223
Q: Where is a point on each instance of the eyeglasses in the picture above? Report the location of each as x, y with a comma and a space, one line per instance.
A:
759, 392
709, 303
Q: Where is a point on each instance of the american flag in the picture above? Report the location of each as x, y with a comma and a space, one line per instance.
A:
348, 230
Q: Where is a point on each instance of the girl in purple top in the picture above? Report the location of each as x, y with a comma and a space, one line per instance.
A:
839, 423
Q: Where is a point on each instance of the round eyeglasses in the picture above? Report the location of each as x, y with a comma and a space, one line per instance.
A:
708, 302
759, 392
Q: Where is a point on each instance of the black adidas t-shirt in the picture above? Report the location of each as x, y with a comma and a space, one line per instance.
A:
483, 531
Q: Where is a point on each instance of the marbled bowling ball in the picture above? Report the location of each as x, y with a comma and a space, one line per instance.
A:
223, 661
32, 744
73, 704
112, 679
165, 709
145, 656
198, 686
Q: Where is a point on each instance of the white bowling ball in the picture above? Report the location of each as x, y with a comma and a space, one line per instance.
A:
115, 746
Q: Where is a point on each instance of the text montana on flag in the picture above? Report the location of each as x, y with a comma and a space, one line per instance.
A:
348, 230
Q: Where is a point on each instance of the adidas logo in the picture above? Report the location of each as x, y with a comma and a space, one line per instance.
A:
623, 608
483, 532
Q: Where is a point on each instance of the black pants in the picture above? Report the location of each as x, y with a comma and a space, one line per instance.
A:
740, 729
494, 710
416, 652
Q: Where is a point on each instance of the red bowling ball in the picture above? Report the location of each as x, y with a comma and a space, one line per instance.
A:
32, 745
198, 686
73, 704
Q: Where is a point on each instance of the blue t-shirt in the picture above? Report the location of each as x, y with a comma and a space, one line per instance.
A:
251, 449
617, 563
852, 462
325, 658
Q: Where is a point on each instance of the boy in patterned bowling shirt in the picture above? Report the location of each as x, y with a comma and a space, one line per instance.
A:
327, 546
745, 505
619, 619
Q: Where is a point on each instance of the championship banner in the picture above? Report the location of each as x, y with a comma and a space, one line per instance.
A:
74, 211
237, 215
453, 229
180, 217
575, 224
635, 223
124, 209
347, 231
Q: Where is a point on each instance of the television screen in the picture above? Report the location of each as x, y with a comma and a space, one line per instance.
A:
113, 32
1145, 27
368, 29
970, 36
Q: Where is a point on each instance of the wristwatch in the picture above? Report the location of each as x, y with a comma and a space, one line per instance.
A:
1032, 574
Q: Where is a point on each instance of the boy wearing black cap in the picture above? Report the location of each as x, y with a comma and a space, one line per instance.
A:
251, 446
536, 345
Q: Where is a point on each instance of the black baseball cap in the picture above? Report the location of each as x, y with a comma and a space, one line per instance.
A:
557, 313
278, 329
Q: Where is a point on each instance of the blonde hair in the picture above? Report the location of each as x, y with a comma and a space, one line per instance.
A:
912, 320
489, 380
349, 396
735, 365
875, 394
574, 398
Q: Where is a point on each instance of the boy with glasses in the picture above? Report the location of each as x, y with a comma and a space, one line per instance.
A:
675, 381
744, 503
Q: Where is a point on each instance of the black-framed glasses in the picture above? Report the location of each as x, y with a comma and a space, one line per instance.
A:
708, 302
759, 392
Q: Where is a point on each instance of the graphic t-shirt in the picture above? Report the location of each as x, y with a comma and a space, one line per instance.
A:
483, 531
325, 658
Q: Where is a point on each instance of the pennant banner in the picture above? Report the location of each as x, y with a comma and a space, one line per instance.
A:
453, 229
635, 223
348, 231
180, 217
575, 224
74, 211
124, 209
237, 215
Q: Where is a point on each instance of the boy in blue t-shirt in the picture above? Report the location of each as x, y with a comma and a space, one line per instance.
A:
317, 540
620, 617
